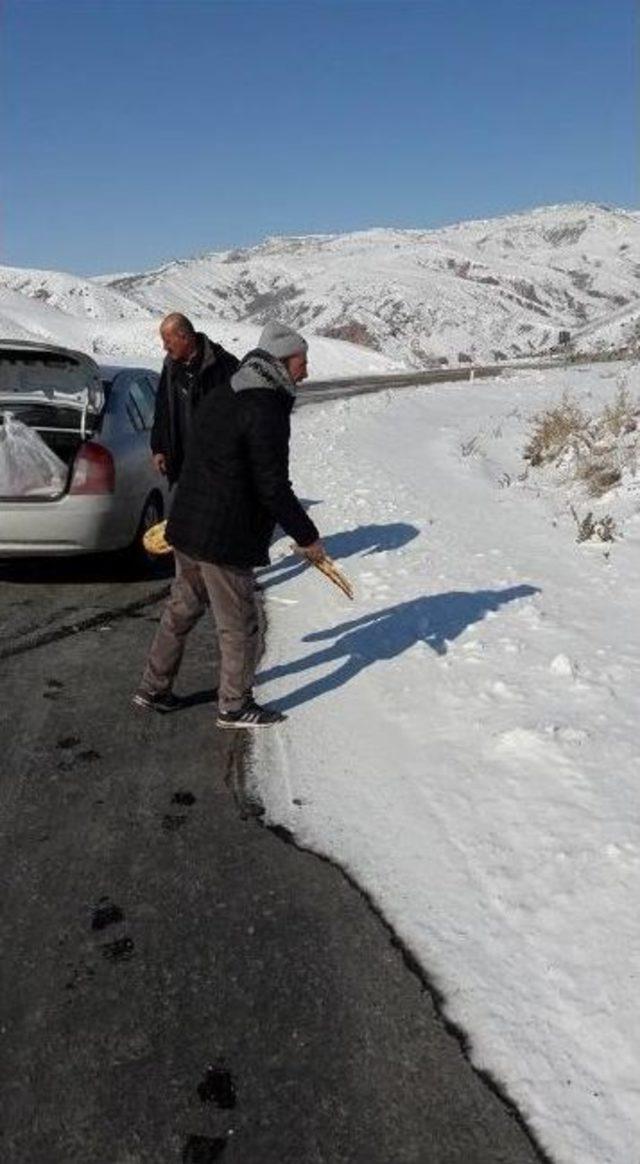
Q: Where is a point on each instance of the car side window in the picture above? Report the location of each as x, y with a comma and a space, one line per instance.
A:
141, 403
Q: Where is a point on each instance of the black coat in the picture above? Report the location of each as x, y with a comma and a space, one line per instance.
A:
234, 486
180, 393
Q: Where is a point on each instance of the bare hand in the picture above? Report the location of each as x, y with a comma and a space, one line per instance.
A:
160, 463
314, 553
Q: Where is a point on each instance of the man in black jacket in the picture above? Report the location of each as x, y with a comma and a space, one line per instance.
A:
233, 490
193, 366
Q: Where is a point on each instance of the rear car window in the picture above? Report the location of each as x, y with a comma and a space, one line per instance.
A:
50, 376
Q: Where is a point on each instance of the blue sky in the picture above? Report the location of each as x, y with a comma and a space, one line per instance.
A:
135, 131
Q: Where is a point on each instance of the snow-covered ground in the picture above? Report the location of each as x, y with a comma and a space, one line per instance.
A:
463, 737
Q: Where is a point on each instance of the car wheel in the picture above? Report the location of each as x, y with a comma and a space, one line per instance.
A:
152, 513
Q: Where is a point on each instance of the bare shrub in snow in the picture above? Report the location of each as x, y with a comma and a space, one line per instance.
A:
615, 445
601, 529
601, 449
621, 416
561, 429
470, 447
599, 473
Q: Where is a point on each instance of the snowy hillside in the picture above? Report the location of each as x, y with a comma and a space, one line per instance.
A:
119, 340
463, 736
505, 285
477, 290
71, 294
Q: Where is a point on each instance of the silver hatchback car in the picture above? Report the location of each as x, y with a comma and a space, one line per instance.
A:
97, 420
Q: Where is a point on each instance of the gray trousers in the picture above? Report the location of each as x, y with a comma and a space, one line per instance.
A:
230, 594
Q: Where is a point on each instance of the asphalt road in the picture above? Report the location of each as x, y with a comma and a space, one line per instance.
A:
177, 982
318, 391
41, 599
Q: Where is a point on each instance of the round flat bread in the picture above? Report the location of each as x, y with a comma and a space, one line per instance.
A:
154, 540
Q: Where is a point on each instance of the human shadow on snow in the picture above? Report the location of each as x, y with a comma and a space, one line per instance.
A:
434, 620
365, 539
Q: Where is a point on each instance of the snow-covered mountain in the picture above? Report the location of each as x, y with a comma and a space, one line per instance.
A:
502, 285
485, 289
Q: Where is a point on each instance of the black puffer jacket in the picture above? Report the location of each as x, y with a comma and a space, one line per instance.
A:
234, 486
181, 389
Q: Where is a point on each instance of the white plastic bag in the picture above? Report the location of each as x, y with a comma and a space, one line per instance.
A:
28, 467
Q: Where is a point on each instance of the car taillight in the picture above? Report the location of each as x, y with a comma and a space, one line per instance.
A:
93, 470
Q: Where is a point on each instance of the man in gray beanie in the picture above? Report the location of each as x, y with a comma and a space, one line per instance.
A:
281, 355
281, 341
233, 490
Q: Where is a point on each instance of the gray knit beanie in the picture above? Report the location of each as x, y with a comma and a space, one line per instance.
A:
281, 341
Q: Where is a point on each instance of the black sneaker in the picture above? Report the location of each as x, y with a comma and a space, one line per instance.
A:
250, 715
162, 701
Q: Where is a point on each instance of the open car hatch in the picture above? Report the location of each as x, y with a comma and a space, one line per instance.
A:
41, 374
